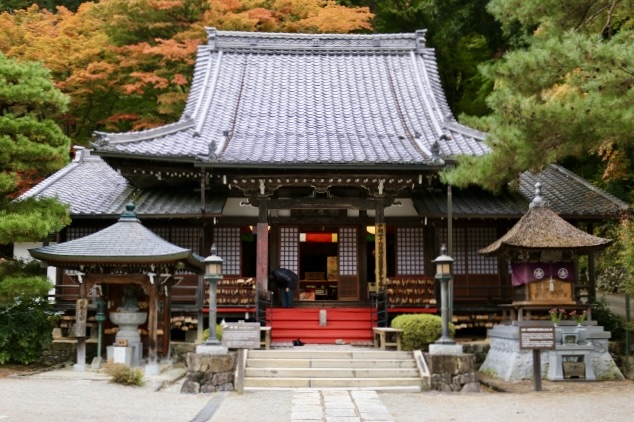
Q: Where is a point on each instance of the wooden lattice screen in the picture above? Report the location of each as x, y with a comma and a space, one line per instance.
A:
348, 264
410, 259
289, 248
227, 240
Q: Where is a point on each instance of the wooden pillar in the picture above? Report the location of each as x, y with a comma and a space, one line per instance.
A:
380, 244
152, 367
262, 253
450, 249
167, 311
592, 275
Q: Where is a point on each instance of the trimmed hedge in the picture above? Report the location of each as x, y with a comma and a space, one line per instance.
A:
218, 333
419, 330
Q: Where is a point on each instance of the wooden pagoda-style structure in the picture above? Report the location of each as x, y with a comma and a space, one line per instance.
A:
125, 254
543, 250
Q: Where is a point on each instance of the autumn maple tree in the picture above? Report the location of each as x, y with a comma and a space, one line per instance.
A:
127, 64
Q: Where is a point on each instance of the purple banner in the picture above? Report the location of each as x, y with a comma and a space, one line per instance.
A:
525, 272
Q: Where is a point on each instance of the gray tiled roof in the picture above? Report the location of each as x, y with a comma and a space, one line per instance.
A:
569, 195
92, 188
566, 193
472, 202
300, 99
126, 241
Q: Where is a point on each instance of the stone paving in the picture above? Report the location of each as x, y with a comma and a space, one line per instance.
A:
338, 406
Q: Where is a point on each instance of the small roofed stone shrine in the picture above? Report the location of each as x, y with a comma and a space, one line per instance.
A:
543, 250
132, 271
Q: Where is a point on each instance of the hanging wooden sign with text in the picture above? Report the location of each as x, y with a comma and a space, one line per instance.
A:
380, 255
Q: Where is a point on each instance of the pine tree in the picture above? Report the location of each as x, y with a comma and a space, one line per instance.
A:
32, 146
567, 94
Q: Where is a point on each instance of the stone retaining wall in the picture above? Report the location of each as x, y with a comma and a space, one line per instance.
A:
453, 372
209, 373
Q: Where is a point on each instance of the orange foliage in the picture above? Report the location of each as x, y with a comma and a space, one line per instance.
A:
89, 60
617, 165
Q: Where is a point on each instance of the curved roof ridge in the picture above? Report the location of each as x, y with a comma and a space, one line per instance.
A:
105, 138
465, 130
218, 39
432, 109
622, 204
80, 156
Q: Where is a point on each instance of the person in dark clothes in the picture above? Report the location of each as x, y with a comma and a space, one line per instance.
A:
286, 282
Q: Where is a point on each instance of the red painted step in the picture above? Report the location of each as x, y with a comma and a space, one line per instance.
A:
347, 324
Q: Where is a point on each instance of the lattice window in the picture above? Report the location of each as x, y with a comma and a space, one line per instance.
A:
227, 240
289, 248
73, 233
410, 257
478, 238
348, 251
187, 237
459, 252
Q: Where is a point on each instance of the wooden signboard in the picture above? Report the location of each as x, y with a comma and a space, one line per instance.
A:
380, 256
241, 335
537, 337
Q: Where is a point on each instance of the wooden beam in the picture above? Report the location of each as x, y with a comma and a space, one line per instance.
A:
333, 203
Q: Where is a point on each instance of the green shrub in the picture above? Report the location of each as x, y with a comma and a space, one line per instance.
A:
218, 332
419, 330
123, 374
26, 317
25, 286
609, 320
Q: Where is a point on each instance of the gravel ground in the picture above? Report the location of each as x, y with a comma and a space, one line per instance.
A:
36, 398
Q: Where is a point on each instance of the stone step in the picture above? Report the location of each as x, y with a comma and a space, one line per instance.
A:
375, 373
331, 363
309, 353
343, 369
409, 384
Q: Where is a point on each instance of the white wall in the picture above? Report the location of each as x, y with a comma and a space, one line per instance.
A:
406, 209
234, 209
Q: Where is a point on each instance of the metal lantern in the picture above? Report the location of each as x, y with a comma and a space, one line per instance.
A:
444, 264
213, 274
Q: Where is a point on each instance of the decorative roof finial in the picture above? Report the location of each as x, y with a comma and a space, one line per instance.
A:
443, 249
129, 214
539, 200
212, 150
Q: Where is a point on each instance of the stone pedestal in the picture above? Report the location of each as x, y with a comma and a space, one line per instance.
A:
122, 354
128, 333
445, 349
507, 361
211, 349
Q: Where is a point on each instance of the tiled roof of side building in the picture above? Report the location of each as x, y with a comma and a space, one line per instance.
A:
569, 194
298, 99
93, 189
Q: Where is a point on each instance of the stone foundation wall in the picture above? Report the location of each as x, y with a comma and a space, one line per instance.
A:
65, 352
453, 372
209, 373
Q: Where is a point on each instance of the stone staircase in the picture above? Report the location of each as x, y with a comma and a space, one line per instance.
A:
363, 369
